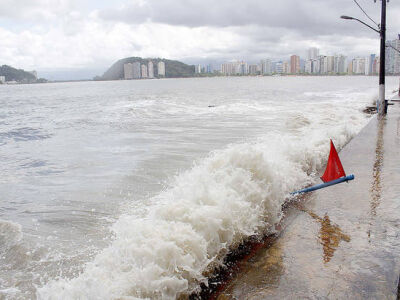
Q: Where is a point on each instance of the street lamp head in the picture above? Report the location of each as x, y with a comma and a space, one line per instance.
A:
346, 17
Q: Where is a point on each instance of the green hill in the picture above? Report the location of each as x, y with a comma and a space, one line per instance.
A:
173, 68
13, 74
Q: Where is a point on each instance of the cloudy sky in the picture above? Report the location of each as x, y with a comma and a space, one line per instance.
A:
74, 39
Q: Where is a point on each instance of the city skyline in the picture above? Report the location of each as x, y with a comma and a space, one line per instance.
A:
39, 34
315, 63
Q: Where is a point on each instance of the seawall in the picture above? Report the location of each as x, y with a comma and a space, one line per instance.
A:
342, 241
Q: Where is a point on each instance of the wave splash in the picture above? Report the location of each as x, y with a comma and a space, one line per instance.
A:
233, 194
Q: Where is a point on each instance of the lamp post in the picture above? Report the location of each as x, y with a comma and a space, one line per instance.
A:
381, 105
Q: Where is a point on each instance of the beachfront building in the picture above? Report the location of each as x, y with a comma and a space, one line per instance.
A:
393, 57
150, 69
136, 70
279, 67
235, 68
243, 68
340, 62
197, 69
2, 79
294, 64
266, 67
253, 69
308, 67
376, 65
330, 64
228, 69
128, 71
369, 62
161, 69
358, 66
144, 71
285, 67
323, 64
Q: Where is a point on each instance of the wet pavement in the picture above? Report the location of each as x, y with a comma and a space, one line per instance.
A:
342, 241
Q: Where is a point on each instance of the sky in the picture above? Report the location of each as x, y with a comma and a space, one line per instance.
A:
78, 39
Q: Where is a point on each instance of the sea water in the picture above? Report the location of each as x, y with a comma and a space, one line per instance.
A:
138, 189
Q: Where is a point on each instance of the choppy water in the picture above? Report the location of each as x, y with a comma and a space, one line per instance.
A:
135, 188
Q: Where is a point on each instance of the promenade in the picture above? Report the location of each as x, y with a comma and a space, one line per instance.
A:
342, 242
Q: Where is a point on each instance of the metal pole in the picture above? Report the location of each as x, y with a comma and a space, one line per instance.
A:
381, 103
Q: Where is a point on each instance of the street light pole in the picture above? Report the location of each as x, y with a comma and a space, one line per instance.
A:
382, 104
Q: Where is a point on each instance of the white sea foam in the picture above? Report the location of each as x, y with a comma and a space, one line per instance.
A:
10, 235
234, 193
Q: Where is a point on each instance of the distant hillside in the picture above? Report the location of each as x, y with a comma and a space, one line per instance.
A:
173, 68
13, 74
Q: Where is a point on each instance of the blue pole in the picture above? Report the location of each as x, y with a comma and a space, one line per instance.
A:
324, 185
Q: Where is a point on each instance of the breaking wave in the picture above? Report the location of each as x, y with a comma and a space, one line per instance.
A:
208, 210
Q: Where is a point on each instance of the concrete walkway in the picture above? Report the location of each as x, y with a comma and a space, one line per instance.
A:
342, 241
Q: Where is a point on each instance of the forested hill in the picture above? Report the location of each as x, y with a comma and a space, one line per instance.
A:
18, 75
173, 68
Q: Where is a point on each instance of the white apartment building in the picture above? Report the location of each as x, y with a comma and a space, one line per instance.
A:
150, 69
308, 66
340, 63
136, 70
128, 71
266, 67
359, 66
144, 71
161, 69
392, 64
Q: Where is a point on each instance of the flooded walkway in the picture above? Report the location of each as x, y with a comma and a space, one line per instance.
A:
343, 241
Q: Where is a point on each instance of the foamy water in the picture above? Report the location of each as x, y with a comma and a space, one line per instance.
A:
138, 189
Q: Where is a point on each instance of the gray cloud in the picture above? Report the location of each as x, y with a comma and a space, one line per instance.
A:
311, 17
101, 31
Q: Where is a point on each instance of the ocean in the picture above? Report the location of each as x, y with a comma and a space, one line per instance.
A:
138, 189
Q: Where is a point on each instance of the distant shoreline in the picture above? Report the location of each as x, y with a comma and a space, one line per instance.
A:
206, 76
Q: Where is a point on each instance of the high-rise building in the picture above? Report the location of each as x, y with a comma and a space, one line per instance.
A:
368, 62
350, 68
161, 69
294, 64
243, 68
197, 69
144, 71
2, 79
371, 64
266, 67
150, 69
136, 70
330, 64
392, 64
302, 65
316, 66
286, 67
308, 66
279, 67
253, 69
340, 64
128, 71
323, 64
228, 68
376, 65
359, 66
313, 53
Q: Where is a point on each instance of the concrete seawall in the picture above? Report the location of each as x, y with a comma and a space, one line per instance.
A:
342, 241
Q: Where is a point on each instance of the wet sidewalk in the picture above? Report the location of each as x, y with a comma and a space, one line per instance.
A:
342, 241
